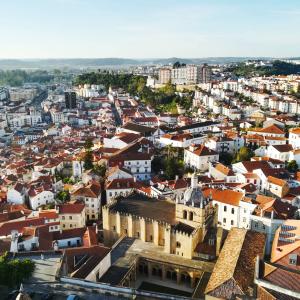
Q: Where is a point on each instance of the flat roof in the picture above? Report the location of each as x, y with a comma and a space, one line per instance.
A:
129, 249
146, 207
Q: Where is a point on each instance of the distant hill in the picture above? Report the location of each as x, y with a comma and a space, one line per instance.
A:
84, 63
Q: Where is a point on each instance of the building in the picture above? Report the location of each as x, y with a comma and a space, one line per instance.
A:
280, 278
234, 270
232, 207
205, 74
91, 196
199, 157
70, 100
268, 216
119, 187
71, 215
177, 227
164, 75
294, 137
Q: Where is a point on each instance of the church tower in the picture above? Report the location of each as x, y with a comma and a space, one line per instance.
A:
192, 208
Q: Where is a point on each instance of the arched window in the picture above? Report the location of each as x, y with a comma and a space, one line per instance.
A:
185, 214
191, 216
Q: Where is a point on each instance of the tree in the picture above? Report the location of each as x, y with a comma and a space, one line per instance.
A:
100, 170
292, 166
226, 158
14, 271
171, 169
88, 160
63, 196
243, 154
88, 144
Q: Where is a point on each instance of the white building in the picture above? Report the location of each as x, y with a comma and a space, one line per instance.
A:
233, 211
199, 157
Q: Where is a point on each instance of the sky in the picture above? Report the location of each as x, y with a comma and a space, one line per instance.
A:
149, 28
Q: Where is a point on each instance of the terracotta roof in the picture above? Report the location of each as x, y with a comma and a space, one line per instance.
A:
253, 165
70, 208
282, 277
281, 210
48, 214
92, 191
6, 228
224, 196
127, 137
91, 256
277, 181
204, 151
272, 129
224, 170
280, 248
295, 130
236, 263
120, 183
283, 148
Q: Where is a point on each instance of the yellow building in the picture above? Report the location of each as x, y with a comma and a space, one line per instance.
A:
177, 227
71, 215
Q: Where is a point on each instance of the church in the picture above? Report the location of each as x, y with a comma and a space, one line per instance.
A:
177, 227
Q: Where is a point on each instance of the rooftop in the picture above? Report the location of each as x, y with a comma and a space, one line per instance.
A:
146, 207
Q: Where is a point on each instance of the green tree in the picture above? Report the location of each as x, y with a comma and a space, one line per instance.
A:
292, 166
88, 144
226, 158
63, 196
100, 170
243, 154
88, 160
14, 271
171, 169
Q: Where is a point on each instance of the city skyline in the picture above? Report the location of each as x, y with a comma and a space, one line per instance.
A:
131, 29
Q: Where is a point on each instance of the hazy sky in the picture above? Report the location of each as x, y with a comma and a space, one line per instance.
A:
149, 28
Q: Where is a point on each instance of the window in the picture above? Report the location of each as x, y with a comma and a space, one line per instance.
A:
71, 225
185, 214
178, 245
232, 210
114, 228
64, 225
138, 234
231, 222
63, 217
293, 259
70, 217
224, 220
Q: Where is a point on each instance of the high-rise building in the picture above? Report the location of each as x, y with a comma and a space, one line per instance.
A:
164, 75
205, 74
70, 100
